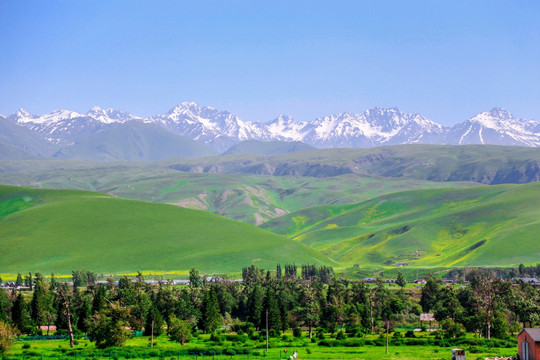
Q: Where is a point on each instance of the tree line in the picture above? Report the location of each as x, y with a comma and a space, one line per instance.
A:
487, 305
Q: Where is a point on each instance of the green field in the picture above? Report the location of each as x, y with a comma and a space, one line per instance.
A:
249, 198
441, 227
137, 348
63, 230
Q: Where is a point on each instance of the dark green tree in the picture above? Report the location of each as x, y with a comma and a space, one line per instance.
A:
400, 280
38, 304
21, 316
195, 278
19, 281
179, 330
108, 327
430, 293
255, 306
271, 306
154, 320
5, 304
211, 317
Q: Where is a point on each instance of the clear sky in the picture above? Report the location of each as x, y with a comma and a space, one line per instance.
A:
447, 60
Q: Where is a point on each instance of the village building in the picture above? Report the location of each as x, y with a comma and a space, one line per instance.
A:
529, 344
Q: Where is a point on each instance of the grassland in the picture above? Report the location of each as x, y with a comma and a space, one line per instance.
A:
63, 230
494, 225
249, 198
164, 348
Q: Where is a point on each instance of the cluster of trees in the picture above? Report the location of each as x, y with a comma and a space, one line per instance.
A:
464, 274
487, 306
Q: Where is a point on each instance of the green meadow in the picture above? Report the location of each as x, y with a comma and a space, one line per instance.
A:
62, 230
202, 348
249, 198
481, 226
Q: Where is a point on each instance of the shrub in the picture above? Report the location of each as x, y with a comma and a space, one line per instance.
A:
26, 346
215, 337
7, 335
297, 332
410, 334
340, 335
353, 343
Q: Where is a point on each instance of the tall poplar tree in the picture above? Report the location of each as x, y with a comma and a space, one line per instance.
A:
211, 318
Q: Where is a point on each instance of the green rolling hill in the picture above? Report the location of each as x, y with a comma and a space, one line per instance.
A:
249, 198
490, 225
62, 230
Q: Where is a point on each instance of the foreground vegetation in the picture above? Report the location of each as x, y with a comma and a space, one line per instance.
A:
311, 312
202, 346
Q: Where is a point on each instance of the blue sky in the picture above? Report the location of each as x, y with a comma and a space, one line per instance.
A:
447, 60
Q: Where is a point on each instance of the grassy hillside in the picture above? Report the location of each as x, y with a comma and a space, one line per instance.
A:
485, 164
491, 225
268, 147
62, 230
249, 198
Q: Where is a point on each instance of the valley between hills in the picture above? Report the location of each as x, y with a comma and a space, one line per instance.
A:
425, 207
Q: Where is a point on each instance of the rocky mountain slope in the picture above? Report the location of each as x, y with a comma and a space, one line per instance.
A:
220, 130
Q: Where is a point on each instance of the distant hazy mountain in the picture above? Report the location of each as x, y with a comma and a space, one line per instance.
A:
17, 139
220, 130
497, 127
134, 141
268, 147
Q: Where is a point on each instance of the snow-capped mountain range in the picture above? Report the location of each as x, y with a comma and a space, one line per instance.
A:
221, 129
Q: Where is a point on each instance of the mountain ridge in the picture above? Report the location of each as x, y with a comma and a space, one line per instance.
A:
220, 130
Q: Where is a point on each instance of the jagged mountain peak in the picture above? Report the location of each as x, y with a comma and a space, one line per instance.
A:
108, 116
282, 119
500, 113
222, 129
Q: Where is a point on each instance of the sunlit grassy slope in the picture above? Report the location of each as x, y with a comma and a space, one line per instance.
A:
490, 225
59, 230
248, 198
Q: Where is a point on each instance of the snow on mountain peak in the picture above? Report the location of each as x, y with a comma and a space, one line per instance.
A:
108, 116
221, 129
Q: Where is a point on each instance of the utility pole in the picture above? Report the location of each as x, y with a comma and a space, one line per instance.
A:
387, 324
266, 330
152, 341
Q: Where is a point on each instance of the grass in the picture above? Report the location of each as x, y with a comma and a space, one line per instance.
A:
64, 230
249, 198
440, 227
163, 348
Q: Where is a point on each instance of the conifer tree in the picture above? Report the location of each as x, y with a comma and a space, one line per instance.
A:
155, 320
274, 314
211, 318
21, 316
38, 303
255, 306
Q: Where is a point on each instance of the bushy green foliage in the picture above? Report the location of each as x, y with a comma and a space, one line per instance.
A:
7, 336
109, 327
179, 330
